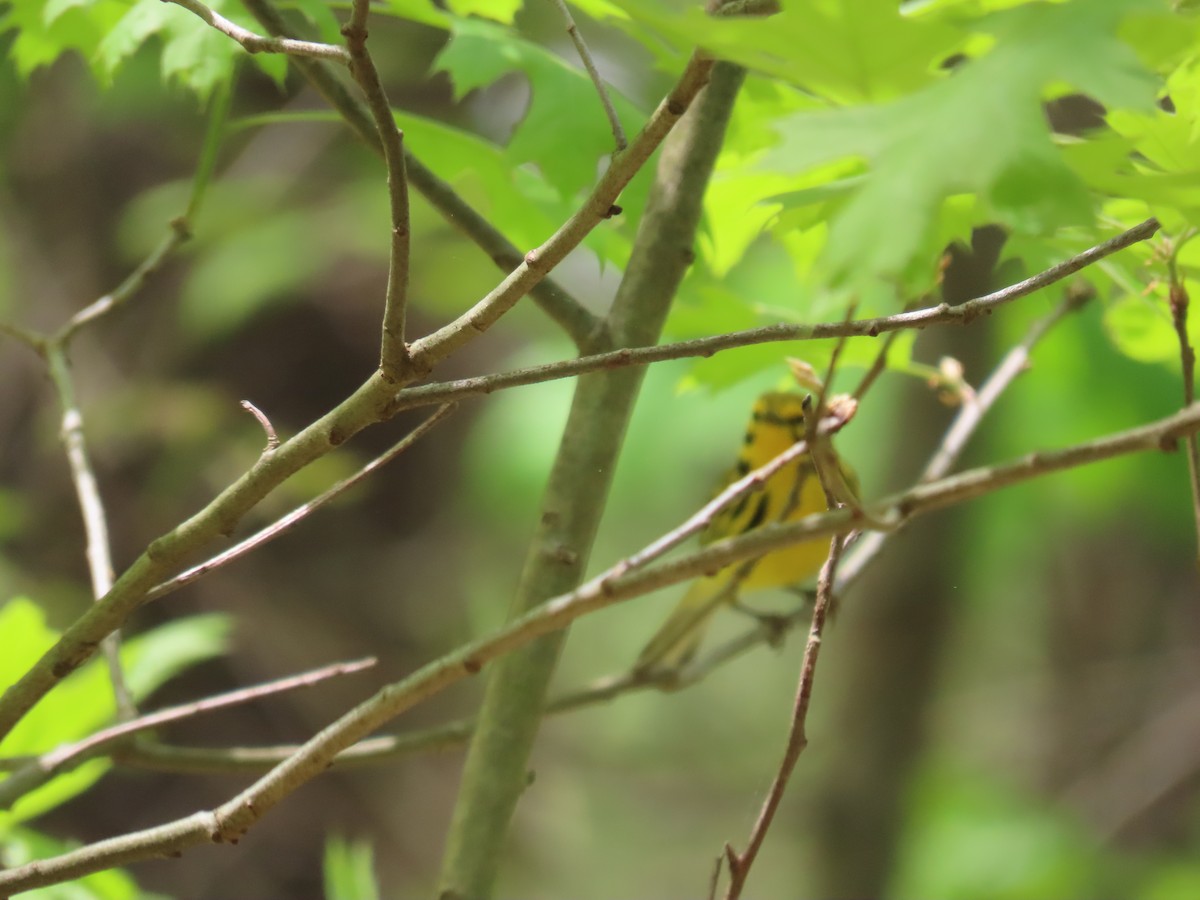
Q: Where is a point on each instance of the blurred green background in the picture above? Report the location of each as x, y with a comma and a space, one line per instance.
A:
1007, 707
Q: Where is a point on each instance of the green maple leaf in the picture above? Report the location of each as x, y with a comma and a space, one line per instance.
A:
564, 131
979, 130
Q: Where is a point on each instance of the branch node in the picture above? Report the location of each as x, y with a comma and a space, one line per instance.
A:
272, 437
182, 227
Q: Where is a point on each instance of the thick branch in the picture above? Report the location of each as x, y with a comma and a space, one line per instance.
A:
169, 553
494, 775
428, 351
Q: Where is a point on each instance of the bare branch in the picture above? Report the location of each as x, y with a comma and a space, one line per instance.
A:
430, 350
586, 57
233, 818
942, 314
567, 312
34, 341
178, 234
257, 43
393, 354
797, 739
286, 523
366, 406
968, 420
68, 757
1179, 302
272, 437
91, 507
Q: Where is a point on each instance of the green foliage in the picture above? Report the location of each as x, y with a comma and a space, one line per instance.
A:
563, 131
991, 139
83, 702
349, 870
22, 845
976, 839
107, 33
973, 837
873, 135
869, 136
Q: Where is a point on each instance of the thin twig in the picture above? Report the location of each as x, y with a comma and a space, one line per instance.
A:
91, 508
562, 308
593, 73
179, 229
284, 524
230, 820
826, 467
1178, 301
941, 314
879, 363
267, 427
171, 241
704, 516
53, 349
257, 43
824, 459
71, 756
34, 341
714, 877
967, 422
797, 740
393, 353
1016, 361
204, 760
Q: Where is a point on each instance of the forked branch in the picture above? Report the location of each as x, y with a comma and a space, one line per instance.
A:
233, 818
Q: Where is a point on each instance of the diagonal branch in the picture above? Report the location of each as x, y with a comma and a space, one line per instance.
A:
178, 234
567, 312
586, 57
71, 756
257, 43
941, 314
430, 350
370, 404
366, 406
289, 521
53, 350
230, 820
967, 422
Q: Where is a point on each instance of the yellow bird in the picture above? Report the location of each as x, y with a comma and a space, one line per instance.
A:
776, 424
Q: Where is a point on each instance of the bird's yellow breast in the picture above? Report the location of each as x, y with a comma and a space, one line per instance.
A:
776, 423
